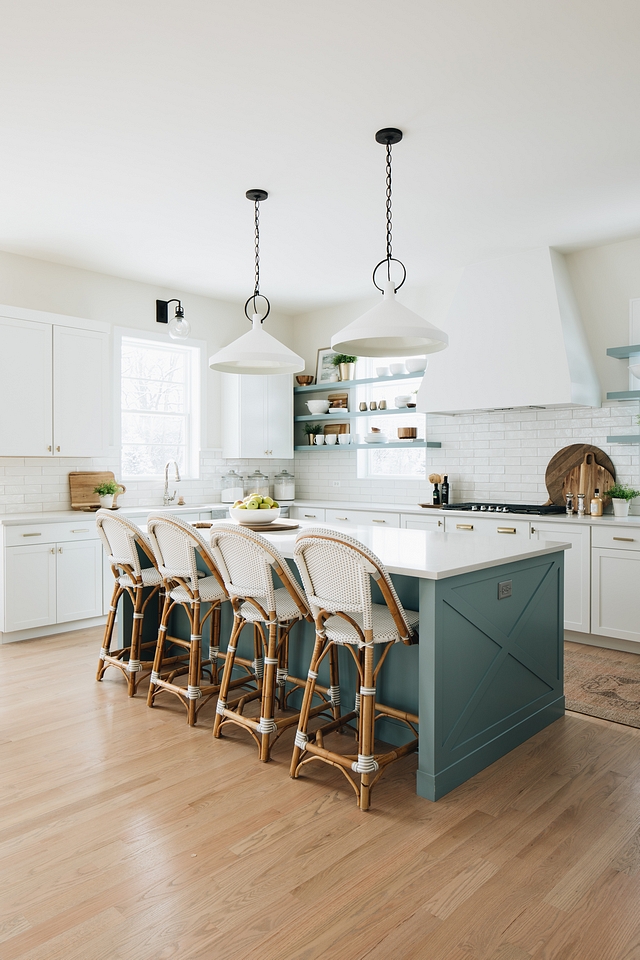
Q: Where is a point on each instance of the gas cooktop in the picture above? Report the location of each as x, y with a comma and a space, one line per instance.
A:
539, 509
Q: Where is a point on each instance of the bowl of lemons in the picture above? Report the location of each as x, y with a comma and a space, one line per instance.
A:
255, 509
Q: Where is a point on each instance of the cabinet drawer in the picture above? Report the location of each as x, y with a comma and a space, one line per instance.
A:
363, 517
81, 529
616, 537
488, 527
312, 514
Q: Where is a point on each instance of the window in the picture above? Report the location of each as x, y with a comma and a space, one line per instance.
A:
159, 406
386, 461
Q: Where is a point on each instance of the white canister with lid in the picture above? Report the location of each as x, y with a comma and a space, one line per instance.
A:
232, 487
258, 483
284, 486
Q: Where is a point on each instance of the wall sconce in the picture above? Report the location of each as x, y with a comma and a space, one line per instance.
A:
179, 328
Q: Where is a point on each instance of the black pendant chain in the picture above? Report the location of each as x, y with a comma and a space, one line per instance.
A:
256, 196
389, 251
388, 137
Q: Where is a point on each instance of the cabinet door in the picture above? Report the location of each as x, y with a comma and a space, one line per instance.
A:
577, 570
79, 580
25, 388
432, 524
615, 598
81, 394
279, 416
30, 586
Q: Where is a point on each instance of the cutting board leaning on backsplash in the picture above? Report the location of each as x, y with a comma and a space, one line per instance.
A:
579, 468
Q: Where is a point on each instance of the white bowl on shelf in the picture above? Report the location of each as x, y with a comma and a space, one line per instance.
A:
375, 438
342, 410
382, 371
416, 364
397, 368
317, 406
403, 401
254, 516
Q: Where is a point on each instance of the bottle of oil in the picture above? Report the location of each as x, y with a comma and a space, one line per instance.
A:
597, 504
444, 490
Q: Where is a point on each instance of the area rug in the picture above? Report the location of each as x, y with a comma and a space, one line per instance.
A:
603, 687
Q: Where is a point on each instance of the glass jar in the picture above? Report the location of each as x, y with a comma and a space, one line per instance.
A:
232, 487
256, 482
284, 486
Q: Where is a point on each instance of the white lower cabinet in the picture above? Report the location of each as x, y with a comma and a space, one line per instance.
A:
54, 578
311, 514
615, 578
577, 566
362, 518
431, 524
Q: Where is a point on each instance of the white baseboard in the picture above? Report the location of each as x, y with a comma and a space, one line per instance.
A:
34, 632
609, 643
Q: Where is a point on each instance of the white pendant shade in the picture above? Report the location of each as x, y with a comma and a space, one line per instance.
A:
256, 353
389, 330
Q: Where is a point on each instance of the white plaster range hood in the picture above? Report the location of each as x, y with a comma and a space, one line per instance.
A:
515, 340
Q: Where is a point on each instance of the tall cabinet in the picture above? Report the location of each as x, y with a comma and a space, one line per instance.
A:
257, 417
54, 388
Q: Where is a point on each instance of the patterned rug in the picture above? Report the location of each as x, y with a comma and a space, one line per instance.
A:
602, 686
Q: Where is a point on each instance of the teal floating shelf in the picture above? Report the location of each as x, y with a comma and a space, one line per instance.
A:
336, 384
402, 412
624, 395
345, 447
623, 353
632, 438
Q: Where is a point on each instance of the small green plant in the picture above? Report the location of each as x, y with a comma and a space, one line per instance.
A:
620, 491
313, 428
342, 358
107, 489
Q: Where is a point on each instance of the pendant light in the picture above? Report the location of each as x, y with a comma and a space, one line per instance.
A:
389, 329
256, 352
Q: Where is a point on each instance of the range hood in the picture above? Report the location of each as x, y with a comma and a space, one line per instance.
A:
515, 340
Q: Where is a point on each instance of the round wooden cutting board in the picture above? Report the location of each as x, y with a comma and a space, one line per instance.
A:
578, 468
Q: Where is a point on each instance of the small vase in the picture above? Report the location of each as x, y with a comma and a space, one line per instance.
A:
620, 507
107, 501
347, 371
311, 438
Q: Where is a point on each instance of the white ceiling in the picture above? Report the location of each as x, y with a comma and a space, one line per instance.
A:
131, 130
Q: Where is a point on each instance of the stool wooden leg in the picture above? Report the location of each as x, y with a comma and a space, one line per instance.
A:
214, 642
367, 722
159, 656
334, 675
268, 688
301, 734
195, 663
238, 624
108, 630
134, 650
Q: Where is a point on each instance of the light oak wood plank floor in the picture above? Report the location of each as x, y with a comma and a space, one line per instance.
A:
125, 835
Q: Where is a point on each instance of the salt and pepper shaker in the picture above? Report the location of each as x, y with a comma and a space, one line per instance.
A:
581, 504
382, 405
362, 407
570, 504
373, 405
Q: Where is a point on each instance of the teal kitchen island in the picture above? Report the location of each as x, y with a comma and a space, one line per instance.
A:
487, 672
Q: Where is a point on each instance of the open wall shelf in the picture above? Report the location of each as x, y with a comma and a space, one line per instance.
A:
345, 415
623, 353
345, 447
337, 384
624, 395
631, 438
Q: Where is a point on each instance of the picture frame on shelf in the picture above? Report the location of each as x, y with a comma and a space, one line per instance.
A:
325, 369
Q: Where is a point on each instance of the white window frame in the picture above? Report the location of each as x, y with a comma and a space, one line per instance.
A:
199, 426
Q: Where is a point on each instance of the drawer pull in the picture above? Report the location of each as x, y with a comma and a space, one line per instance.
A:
506, 529
82, 530
310, 516
31, 534
464, 526
342, 518
378, 521
626, 539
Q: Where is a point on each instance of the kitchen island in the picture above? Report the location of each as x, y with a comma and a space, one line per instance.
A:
487, 673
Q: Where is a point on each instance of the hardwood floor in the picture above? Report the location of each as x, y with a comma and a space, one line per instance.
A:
126, 835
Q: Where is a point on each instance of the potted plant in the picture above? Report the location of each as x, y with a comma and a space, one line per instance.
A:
106, 491
621, 495
311, 429
346, 365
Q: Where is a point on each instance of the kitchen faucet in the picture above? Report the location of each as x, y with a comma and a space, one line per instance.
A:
167, 499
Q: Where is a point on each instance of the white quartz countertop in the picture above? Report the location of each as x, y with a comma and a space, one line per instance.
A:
430, 556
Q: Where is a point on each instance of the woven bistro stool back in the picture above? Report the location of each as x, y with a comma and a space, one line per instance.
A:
178, 547
123, 542
248, 562
336, 571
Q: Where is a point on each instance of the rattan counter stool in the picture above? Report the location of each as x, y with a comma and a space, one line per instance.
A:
336, 571
122, 540
177, 546
247, 562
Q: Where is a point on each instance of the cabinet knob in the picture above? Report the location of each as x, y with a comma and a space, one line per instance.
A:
49, 448
58, 449
439, 523
59, 549
533, 529
53, 550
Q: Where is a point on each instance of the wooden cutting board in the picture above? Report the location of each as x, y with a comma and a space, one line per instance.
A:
271, 527
579, 468
82, 484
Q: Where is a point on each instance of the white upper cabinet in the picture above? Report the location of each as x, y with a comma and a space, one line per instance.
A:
54, 390
25, 388
80, 392
257, 417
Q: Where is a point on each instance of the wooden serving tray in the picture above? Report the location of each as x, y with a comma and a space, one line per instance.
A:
81, 485
270, 527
